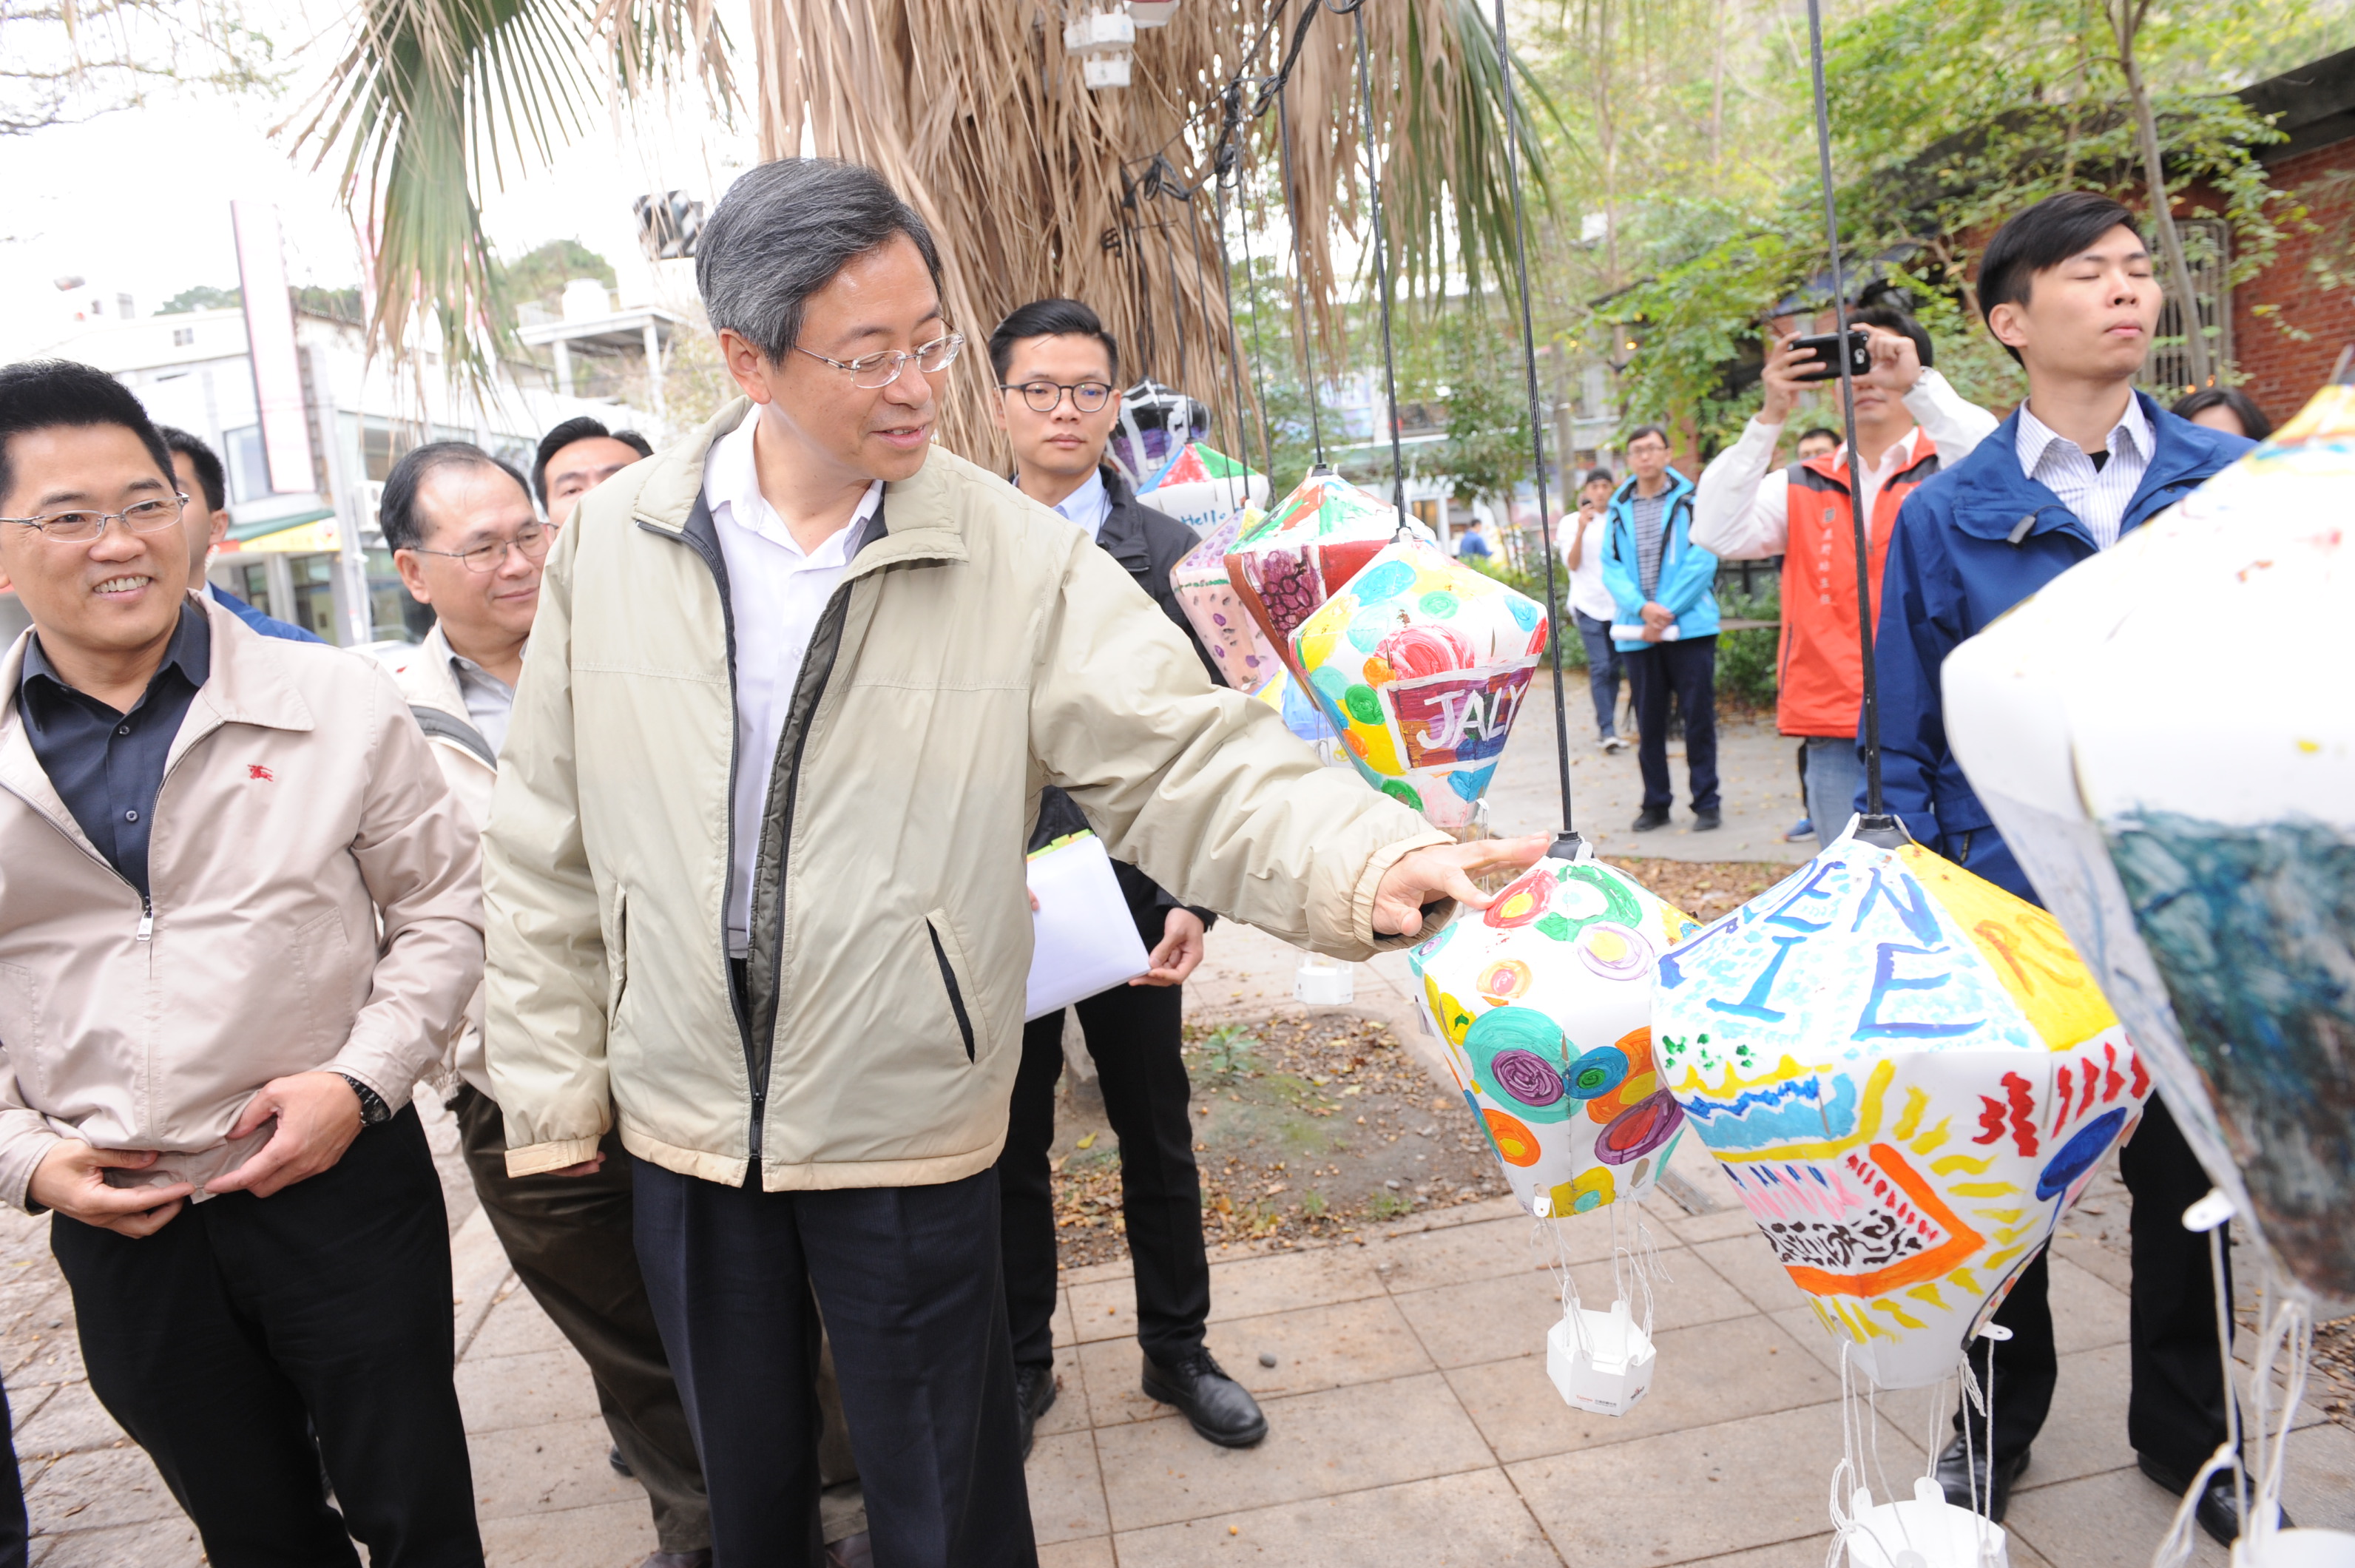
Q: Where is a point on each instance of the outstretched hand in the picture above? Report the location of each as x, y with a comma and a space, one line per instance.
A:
1445, 871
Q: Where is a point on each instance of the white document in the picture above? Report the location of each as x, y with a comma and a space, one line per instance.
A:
1084, 940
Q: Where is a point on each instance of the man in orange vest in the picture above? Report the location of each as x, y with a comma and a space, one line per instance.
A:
1908, 421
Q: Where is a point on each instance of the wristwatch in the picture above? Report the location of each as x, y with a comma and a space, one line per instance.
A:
373, 1110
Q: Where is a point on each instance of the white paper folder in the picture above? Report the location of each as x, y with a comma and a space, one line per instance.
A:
1084, 939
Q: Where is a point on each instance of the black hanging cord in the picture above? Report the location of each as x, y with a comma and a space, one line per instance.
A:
1567, 845
1232, 435
1356, 11
1251, 282
1299, 275
1161, 180
1877, 827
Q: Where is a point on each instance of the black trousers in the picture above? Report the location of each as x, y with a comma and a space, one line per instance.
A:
907, 1278
15, 1531
1133, 1033
572, 1242
2175, 1408
224, 1340
1686, 671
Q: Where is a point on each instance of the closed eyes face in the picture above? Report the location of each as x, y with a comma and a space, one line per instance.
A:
2092, 315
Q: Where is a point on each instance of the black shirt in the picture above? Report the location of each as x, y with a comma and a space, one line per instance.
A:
108, 767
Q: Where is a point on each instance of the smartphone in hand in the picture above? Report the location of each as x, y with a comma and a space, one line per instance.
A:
1824, 346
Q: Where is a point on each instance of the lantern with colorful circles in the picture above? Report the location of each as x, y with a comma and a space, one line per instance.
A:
1420, 664
1299, 555
1545, 1003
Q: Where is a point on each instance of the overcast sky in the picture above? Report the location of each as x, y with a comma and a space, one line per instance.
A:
138, 201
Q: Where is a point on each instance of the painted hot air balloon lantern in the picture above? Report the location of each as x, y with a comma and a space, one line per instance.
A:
1316, 540
1202, 487
1200, 580
1421, 665
1908, 1075
2209, 877
1545, 1003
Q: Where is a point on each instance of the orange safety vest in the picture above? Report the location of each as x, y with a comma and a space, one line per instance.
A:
1820, 680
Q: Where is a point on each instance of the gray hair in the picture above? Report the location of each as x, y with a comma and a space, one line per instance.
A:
782, 232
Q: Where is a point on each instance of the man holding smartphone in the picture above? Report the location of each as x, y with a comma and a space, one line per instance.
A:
1908, 421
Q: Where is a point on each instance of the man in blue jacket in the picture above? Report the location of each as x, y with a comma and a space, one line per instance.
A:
2067, 288
197, 469
1666, 624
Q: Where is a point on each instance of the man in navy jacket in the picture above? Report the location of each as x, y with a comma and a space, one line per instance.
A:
197, 469
2067, 288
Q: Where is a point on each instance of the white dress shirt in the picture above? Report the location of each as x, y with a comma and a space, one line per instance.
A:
2098, 496
1088, 506
1587, 594
1740, 512
776, 591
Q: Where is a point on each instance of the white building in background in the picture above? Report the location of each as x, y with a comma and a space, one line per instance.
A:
285, 552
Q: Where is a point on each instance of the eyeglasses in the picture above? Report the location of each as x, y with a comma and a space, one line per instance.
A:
882, 368
1045, 397
151, 516
531, 543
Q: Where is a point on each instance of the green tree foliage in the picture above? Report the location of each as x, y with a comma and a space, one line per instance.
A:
204, 296
539, 274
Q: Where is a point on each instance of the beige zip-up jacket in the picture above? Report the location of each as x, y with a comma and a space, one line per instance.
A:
977, 648
470, 768
300, 807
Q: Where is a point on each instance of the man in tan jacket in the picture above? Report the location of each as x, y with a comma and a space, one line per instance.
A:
755, 873
237, 921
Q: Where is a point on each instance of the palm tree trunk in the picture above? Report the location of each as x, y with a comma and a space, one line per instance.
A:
2126, 19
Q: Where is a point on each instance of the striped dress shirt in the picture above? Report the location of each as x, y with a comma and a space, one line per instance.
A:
2098, 495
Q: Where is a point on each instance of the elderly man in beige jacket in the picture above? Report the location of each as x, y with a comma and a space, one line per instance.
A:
238, 920
755, 876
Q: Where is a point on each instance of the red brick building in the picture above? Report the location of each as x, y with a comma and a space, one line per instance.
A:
2315, 105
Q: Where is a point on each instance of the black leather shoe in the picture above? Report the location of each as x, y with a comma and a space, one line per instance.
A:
1034, 1395
621, 1466
698, 1558
2219, 1508
1706, 820
851, 1552
1221, 1409
1652, 817
1967, 1483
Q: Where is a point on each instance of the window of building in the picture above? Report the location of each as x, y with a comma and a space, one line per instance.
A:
182, 335
248, 463
391, 611
2207, 247
384, 443
315, 596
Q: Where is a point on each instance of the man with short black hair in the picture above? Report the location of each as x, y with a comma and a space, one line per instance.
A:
756, 867
466, 542
1664, 625
224, 993
1817, 442
2067, 288
576, 457
196, 468
1591, 610
1908, 422
1057, 368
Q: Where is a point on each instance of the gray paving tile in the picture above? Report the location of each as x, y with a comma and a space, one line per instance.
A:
2087, 1312
1463, 1521
1095, 1553
1317, 1348
547, 1467
1811, 1552
1748, 1265
516, 1327
525, 1390
69, 1419
1067, 1499
1070, 1410
1770, 1470
91, 1491
2318, 1478
1491, 1248
2085, 1434
1246, 1287
2111, 1521
1496, 1319
1704, 1376
609, 1535
1343, 1440
165, 1543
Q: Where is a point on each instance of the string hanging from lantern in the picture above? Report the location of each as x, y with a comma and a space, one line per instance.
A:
1878, 826
1356, 11
1566, 845
1299, 279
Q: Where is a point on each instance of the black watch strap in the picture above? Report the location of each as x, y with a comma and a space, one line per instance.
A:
373, 1110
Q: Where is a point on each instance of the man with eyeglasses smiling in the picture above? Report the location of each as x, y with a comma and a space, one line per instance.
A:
756, 867
239, 918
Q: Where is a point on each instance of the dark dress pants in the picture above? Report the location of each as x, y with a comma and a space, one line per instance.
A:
907, 1278
222, 1341
15, 1533
1685, 671
571, 1240
1133, 1033
2175, 1408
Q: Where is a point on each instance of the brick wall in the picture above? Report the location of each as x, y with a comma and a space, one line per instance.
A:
2282, 371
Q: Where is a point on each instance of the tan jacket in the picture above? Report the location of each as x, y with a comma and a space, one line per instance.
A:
978, 648
299, 806
470, 768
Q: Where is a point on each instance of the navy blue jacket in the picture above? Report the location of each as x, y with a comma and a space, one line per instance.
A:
268, 625
1955, 564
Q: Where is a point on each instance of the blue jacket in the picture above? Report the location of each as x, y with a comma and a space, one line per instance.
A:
1687, 572
268, 625
1954, 566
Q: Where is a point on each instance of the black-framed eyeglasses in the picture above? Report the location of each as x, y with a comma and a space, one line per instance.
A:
148, 517
1045, 397
882, 368
531, 543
